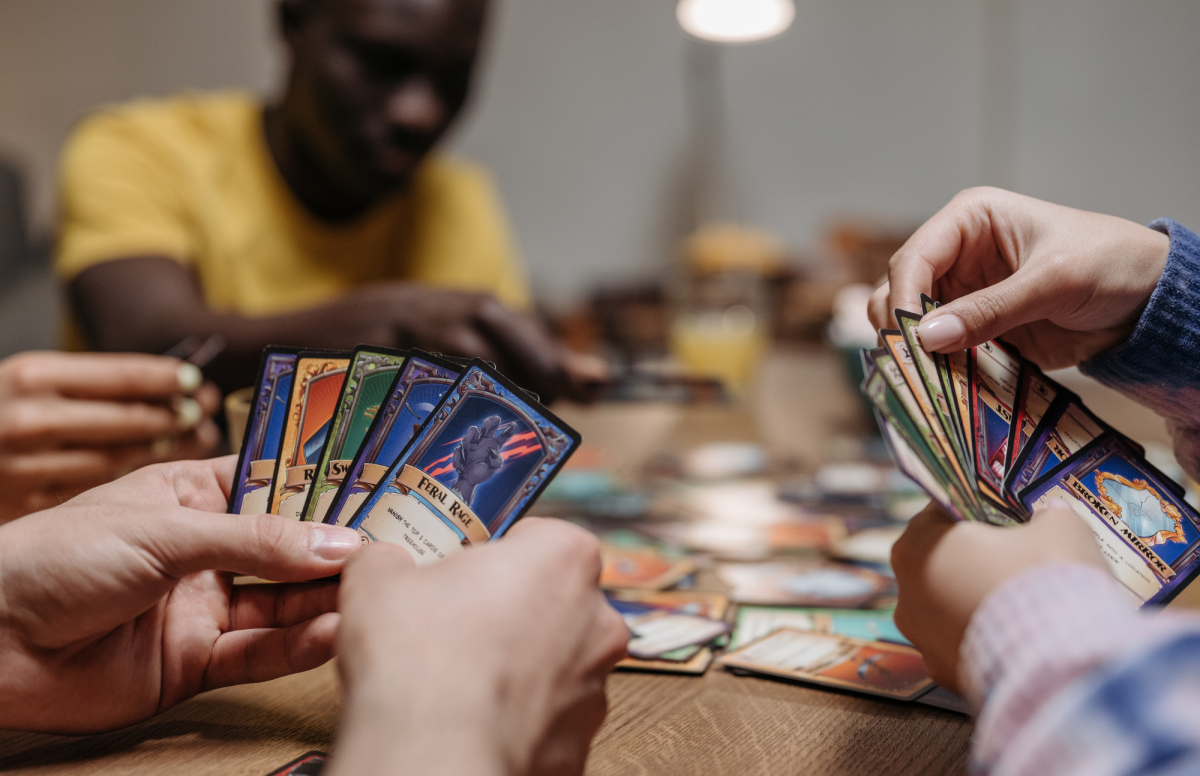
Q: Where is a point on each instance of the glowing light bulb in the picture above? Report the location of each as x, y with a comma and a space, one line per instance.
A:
735, 21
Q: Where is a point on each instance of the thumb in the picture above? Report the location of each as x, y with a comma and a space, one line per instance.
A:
988, 313
268, 546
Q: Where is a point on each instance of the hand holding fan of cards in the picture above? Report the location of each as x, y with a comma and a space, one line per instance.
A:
991, 438
430, 453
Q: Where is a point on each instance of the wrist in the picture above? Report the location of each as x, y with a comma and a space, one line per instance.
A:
417, 722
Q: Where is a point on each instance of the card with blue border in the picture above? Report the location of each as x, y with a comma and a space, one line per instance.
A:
483, 456
1149, 536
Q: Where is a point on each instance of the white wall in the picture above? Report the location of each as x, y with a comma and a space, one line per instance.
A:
865, 107
58, 58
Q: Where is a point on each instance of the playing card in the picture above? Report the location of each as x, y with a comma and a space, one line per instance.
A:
688, 660
370, 378
993, 374
802, 583
1149, 536
1066, 428
887, 390
935, 389
264, 432
661, 632
953, 378
753, 622
482, 457
420, 385
894, 341
873, 667
1035, 394
315, 391
641, 568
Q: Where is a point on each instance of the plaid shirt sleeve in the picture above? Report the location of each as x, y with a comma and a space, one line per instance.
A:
1072, 679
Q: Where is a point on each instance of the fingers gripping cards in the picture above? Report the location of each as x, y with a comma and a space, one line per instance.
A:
485, 452
1148, 534
1027, 441
434, 454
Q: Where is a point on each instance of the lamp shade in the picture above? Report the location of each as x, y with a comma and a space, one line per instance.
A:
735, 21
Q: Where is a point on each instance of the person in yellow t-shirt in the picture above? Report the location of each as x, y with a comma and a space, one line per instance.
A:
323, 220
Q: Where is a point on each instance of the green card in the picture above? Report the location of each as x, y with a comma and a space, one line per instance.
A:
372, 373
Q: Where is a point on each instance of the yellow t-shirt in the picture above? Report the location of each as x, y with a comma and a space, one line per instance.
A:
191, 178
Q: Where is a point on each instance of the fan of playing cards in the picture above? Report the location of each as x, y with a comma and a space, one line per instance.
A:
430, 453
990, 438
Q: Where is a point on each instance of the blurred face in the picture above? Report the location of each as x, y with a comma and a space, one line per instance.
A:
375, 83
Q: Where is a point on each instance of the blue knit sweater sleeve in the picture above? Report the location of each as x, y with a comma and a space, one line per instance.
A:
1159, 365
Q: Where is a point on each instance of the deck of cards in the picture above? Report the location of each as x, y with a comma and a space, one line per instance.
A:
430, 453
991, 438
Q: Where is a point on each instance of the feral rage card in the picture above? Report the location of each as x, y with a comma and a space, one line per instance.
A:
485, 453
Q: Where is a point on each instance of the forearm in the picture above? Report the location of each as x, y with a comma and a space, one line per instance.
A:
1159, 365
148, 305
1070, 675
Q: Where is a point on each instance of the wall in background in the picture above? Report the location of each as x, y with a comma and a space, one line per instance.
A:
865, 107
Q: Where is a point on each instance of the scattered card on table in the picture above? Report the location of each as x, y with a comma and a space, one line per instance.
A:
711, 605
481, 458
641, 568
371, 376
659, 632
873, 667
688, 662
753, 622
315, 390
264, 433
828, 585
421, 384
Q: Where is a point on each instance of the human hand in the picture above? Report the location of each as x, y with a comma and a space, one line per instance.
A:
69, 422
466, 324
945, 569
491, 662
111, 610
1060, 284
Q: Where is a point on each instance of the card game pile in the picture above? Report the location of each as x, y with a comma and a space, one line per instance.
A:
430, 453
991, 438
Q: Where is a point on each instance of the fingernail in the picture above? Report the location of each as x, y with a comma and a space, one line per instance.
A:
332, 542
941, 332
188, 413
189, 377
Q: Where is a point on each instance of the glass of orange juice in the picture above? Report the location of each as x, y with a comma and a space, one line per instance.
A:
720, 328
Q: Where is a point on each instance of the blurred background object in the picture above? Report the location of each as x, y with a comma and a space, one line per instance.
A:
721, 325
28, 296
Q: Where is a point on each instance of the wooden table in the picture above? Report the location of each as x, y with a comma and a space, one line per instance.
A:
715, 724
